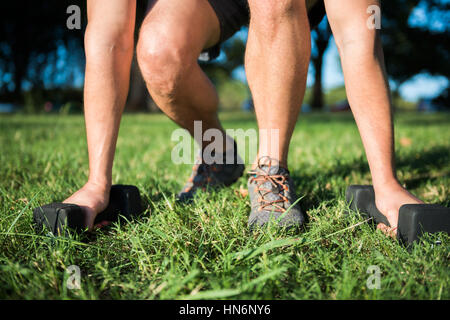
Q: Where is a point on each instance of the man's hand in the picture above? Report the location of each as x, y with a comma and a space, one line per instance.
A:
93, 198
388, 200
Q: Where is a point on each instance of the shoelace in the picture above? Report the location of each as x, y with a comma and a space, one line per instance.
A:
205, 171
277, 180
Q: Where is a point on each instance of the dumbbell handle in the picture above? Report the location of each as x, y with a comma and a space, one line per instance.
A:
124, 201
362, 198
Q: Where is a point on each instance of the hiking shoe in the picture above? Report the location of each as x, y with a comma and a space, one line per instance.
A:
211, 175
272, 193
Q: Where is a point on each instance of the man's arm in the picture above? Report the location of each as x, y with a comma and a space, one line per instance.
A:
109, 46
369, 97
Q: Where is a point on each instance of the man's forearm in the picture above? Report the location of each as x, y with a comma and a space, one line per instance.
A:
108, 62
106, 89
368, 94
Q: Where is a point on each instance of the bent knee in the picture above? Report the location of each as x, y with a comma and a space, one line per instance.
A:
163, 63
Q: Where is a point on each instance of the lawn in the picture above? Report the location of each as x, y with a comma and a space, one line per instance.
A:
204, 250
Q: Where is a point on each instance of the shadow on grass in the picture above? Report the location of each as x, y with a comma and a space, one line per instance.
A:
436, 119
434, 159
424, 163
403, 118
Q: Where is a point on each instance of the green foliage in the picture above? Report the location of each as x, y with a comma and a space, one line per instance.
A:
220, 69
63, 100
338, 94
33, 101
413, 49
232, 94
409, 49
30, 34
335, 95
204, 250
71, 107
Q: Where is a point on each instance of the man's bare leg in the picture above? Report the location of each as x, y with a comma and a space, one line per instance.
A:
368, 93
109, 51
173, 35
277, 60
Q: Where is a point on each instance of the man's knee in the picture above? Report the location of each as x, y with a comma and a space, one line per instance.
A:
163, 63
275, 10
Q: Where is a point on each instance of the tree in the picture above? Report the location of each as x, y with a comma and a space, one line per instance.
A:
29, 32
222, 69
409, 48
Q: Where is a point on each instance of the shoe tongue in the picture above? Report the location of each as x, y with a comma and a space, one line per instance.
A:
229, 156
273, 170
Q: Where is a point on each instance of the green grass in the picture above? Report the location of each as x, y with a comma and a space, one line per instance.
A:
204, 250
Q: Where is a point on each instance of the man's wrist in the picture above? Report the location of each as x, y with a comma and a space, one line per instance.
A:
100, 183
386, 185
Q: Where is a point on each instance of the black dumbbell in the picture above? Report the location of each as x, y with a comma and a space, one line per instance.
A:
413, 219
58, 217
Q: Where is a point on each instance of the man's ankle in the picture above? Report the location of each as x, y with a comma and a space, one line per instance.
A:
269, 160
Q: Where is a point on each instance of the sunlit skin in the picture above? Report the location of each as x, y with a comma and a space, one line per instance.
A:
276, 63
277, 60
172, 36
109, 46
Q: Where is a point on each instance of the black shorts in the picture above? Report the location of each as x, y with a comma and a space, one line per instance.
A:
235, 14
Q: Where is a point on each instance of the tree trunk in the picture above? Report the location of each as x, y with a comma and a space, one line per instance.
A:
139, 99
317, 95
322, 40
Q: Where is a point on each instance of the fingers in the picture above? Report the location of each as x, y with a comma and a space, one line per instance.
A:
389, 231
101, 225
